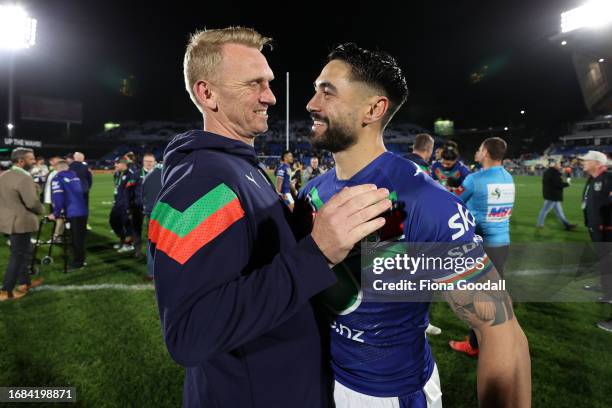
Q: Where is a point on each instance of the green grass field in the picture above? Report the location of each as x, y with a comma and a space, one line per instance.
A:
108, 344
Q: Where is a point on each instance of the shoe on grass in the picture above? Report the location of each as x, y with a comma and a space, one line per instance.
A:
605, 325
126, 248
117, 246
433, 330
463, 347
16, 294
33, 283
570, 227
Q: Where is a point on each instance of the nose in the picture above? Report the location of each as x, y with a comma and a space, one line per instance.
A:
267, 97
312, 105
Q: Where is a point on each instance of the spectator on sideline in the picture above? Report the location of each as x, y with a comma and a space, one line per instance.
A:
296, 178
552, 190
422, 151
39, 172
59, 223
597, 207
151, 186
81, 168
313, 170
125, 186
69, 203
20, 207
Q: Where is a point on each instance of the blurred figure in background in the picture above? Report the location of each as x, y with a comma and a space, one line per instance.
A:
597, 207
39, 173
151, 186
450, 171
124, 196
283, 178
81, 169
59, 224
313, 170
69, 203
553, 184
422, 151
20, 207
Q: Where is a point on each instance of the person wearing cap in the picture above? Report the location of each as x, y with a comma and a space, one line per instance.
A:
553, 184
125, 196
597, 208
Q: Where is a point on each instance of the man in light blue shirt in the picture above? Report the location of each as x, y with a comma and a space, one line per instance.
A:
489, 196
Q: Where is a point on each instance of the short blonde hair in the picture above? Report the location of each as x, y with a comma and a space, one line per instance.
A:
203, 54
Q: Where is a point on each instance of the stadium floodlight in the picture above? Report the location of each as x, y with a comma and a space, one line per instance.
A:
522, 112
563, 42
10, 126
602, 60
506, 128
594, 14
17, 29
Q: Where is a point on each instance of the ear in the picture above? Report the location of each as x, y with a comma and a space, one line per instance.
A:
205, 95
377, 109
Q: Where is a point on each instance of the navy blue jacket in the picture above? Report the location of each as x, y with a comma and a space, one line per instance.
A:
233, 285
151, 186
67, 195
128, 193
83, 173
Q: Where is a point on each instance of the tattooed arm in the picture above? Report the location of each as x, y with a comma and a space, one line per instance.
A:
504, 366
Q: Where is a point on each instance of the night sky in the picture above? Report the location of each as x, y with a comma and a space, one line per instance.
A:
85, 48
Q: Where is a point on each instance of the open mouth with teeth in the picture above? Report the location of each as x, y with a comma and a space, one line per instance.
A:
263, 113
318, 124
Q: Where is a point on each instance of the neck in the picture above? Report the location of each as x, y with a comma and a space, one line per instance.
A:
358, 156
423, 155
487, 164
224, 128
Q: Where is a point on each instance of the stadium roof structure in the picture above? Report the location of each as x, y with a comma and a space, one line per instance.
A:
586, 33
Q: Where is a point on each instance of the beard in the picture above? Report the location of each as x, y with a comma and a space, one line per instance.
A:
336, 138
27, 167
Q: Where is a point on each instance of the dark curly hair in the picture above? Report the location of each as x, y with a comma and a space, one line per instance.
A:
377, 69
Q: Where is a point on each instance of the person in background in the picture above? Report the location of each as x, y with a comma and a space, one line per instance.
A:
283, 178
597, 208
296, 178
39, 173
489, 196
553, 184
81, 168
124, 196
69, 203
313, 170
450, 171
422, 151
58, 232
20, 207
151, 186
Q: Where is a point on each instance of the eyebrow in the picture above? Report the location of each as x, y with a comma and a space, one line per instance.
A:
325, 84
260, 79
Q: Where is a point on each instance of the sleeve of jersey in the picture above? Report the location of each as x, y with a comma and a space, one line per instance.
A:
211, 299
448, 223
465, 191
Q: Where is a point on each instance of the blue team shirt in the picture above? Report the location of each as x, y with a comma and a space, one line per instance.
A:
459, 172
284, 172
67, 195
380, 348
489, 195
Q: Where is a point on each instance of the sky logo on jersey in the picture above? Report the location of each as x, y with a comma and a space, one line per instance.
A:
462, 221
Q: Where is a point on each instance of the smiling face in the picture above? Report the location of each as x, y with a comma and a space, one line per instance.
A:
335, 108
241, 90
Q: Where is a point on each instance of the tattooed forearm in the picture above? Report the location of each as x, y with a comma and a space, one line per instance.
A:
478, 308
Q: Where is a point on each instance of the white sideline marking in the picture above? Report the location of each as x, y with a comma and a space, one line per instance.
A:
102, 286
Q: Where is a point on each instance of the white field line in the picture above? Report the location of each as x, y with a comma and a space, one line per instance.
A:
102, 286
